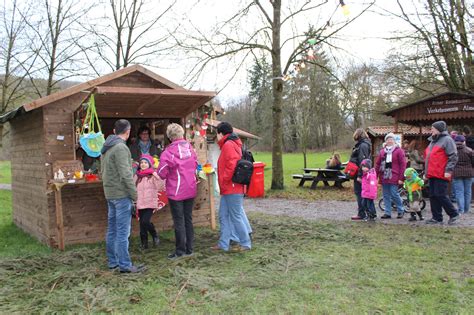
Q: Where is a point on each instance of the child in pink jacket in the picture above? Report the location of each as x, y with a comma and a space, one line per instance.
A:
369, 188
148, 184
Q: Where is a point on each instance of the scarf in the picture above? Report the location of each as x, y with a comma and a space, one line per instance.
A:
144, 147
144, 173
386, 165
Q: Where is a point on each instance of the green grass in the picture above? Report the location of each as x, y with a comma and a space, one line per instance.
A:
296, 266
293, 164
5, 172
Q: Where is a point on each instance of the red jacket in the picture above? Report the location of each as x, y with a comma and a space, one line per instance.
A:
441, 156
231, 153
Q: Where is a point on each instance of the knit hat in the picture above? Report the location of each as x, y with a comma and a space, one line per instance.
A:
440, 126
367, 163
147, 158
459, 138
410, 172
389, 135
225, 128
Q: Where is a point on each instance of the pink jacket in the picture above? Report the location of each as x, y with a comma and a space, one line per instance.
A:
369, 185
147, 191
178, 164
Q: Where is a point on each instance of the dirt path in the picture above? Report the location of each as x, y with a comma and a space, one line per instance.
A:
331, 210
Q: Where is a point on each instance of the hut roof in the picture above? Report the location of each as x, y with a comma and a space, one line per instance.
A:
132, 92
240, 132
376, 131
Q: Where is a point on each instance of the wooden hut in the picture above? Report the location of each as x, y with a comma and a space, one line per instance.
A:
43, 135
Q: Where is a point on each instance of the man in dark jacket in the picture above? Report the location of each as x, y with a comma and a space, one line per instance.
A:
120, 192
469, 138
360, 152
441, 157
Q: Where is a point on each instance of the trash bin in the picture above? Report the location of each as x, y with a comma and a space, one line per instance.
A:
256, 188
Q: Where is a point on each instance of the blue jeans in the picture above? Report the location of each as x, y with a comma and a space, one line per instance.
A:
463, 190
390, 193
231, 219
118, 231
233, 234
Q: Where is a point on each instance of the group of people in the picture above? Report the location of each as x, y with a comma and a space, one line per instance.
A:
127, 188
446, 159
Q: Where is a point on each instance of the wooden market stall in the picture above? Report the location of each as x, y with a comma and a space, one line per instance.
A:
44, 137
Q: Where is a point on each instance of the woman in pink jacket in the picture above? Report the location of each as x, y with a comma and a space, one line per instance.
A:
148, 184
178, 164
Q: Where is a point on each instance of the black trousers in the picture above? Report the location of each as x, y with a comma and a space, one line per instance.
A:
439, 199
182, 212
358, 192
145, 224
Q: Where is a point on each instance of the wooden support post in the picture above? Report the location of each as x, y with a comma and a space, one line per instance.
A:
396, 125
59, 216
210, 179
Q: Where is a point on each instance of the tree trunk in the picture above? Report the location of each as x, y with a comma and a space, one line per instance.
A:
277, 158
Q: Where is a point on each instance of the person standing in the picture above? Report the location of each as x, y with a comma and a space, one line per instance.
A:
416, 160
441, 158
120, 192
178, 166
469, 138
144, 145
390, 167
463, 173
232, 218
148, 185
360, 152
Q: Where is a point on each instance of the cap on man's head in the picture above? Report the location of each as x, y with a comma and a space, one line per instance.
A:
225, 128
440, 126
460, 138
121, 126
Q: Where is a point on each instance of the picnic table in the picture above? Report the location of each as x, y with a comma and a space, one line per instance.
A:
322, 174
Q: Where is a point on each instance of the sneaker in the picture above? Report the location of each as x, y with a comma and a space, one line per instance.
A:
216, 248
191, 254
114, 268
156, 241
400, 215
372, 219
433, 222
386, 216
453, 220
134, 269
239, 249
411, 219
357, 218
174, 256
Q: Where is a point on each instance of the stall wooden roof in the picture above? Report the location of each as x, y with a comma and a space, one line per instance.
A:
132, 92
453, 107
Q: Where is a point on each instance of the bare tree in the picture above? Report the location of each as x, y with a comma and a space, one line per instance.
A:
128, 35
15, 57
232, 38
442, 27
55, 34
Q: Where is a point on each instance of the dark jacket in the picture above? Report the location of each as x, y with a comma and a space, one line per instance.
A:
440, 156
465, 166
116, 169
136, 153
470, 142
360, 152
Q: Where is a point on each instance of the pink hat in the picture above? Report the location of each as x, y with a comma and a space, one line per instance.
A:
147, 158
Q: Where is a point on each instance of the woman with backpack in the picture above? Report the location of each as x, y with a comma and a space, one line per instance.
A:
232, 218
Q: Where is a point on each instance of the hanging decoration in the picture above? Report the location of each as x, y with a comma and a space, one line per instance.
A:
90, 140
345, 8
308, 54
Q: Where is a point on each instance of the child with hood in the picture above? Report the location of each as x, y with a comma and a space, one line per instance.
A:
148, 184
413, 185
369, 189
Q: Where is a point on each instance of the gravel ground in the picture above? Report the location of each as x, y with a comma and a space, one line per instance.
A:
333, 210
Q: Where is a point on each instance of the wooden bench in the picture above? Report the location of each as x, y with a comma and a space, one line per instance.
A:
322, 174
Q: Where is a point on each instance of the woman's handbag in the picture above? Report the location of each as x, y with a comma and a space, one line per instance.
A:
91, 141
351, 169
